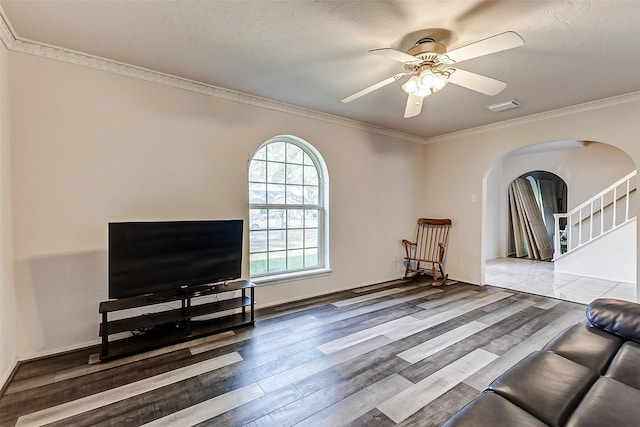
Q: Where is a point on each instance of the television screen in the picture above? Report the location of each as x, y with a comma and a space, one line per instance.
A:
153, 257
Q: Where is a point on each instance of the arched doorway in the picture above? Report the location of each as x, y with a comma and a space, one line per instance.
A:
534, 198
586, 168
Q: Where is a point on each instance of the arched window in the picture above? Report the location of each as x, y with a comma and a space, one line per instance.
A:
287, 209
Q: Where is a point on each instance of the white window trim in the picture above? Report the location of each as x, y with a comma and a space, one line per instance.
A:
324, 269
273, 279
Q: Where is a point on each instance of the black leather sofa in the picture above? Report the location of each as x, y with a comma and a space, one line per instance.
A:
589, 375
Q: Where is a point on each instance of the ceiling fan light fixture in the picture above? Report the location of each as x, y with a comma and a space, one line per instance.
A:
440, 82
411, 85
427, 65
427, 82
427, 79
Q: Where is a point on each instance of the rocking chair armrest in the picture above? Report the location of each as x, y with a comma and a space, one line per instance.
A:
408, 245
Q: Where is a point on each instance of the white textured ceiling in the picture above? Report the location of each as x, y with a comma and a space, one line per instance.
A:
313, 53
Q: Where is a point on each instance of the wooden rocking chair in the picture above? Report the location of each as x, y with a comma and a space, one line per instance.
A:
428, 251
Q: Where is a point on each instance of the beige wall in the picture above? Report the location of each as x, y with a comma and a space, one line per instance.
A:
586, 169
8, 351
89, 147
465, 159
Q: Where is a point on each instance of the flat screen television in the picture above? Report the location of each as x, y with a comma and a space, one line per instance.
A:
172, 256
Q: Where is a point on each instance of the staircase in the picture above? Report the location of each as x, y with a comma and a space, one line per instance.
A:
598, 238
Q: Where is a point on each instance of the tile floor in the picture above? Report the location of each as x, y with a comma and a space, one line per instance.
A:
538, 277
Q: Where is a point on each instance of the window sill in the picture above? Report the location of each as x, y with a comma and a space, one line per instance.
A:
290, 277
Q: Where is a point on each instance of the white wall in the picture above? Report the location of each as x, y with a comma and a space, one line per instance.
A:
496, 218
464, 159
610, 257
89, 147
8, 351
586, 169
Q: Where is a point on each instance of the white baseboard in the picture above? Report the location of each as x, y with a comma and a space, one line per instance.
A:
58, 350
318, 294
6, 376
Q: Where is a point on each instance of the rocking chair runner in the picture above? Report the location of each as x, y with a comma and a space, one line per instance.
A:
429, 248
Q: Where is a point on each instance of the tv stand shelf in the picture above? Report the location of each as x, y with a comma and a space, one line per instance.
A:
179, 324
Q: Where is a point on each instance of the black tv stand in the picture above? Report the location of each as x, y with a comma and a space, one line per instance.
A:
201, 290
242, 308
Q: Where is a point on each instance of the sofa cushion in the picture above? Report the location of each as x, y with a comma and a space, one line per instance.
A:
608, 403
625, 367
546, 385
616, 316
492, 410
586, 345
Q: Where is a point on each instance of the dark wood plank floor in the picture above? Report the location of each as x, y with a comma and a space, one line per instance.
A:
400, 353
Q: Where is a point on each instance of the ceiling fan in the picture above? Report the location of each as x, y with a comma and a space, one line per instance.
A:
430, 66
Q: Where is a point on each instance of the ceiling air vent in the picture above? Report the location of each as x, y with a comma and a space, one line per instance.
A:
502, 106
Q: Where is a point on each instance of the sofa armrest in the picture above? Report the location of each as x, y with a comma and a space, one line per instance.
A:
618, 317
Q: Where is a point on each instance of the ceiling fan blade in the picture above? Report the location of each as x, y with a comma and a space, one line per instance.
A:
396, 55
476, 82
494, 44
373, 87
414, 106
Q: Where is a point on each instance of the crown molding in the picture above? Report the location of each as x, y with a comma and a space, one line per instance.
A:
15, 43
546, 115
6, 31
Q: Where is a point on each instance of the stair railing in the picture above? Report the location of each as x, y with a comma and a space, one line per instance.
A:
600, 214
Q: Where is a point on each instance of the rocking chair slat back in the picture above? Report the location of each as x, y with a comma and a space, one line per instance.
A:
429, 248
